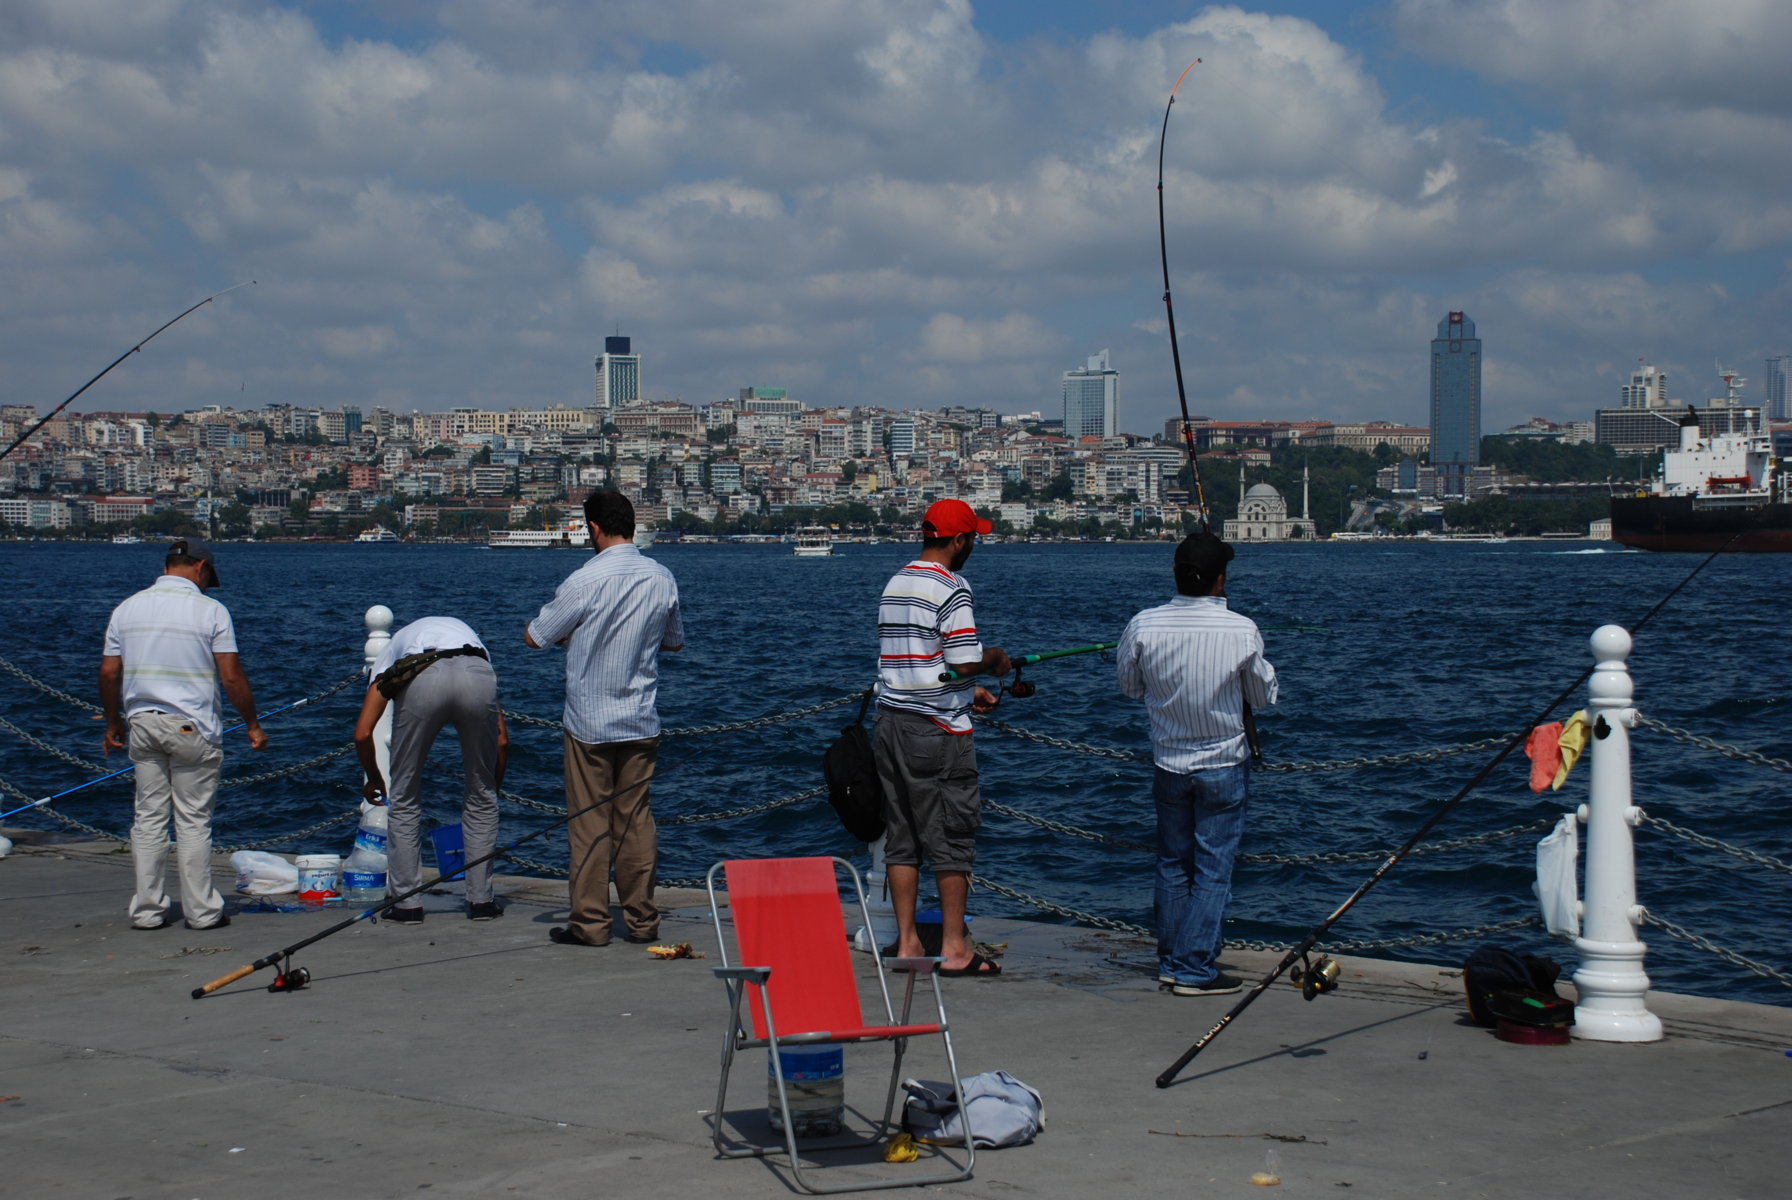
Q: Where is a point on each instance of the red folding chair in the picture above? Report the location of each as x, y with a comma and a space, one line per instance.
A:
792, 965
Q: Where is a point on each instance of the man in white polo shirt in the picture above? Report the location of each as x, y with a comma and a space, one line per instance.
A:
166, 650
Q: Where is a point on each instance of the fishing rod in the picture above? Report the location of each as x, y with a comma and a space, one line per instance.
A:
1027, 660
286, 980
1163, 250
23, 437
127, 770
1322, 976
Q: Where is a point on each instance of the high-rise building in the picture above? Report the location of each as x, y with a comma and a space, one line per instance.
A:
1779, 404
1648, 388
1455, 402
618, 374
1092, 400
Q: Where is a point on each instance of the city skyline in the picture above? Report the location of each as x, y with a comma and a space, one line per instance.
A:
890, 202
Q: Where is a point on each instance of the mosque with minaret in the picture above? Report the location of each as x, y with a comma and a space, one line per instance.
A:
1263, 514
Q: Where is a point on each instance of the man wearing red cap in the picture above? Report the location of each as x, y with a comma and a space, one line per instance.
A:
925, 760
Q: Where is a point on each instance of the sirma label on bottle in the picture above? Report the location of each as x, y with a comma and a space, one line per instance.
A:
363, 880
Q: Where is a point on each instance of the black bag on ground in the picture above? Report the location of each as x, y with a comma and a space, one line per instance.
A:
1503, 985
850, 768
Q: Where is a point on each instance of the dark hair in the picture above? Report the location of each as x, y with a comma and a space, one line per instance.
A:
178, 559
935, 543
611, 512
1201, 559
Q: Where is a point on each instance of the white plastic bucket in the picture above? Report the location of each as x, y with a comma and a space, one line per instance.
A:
317, 877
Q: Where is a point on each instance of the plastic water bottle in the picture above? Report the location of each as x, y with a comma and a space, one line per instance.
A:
364, 871
815, 1083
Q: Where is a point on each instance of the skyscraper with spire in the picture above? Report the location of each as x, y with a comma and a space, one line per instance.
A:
1455, 402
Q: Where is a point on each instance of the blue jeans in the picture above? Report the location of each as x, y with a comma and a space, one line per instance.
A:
1200, 817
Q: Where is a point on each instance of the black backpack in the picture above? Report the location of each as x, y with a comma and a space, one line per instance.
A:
1502, 985
850, 768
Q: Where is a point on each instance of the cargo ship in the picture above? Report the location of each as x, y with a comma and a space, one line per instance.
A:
1722, 492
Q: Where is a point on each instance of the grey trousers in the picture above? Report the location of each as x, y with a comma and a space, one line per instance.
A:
177, 774
462, 692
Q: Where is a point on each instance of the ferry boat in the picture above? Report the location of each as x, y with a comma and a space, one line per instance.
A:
814, 541
568, 534
126, 539
378, 533
1718, 492
644, 536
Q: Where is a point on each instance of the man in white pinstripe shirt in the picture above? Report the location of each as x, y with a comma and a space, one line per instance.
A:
1196, 664
614, 615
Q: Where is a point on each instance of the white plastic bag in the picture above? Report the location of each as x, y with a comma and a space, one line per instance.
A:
259, 873
1557, 888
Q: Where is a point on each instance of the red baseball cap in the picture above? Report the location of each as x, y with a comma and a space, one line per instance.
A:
949, 518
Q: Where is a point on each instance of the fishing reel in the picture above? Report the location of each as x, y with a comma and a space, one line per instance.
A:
290, 978
1020, 689
1312, 977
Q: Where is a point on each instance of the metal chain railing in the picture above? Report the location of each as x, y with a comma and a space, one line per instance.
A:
1711, 947
1699, 839
1344, 856
722, 814
1405, 758
1705, 743
297, 835
706, 730
86, 764
283, 772
41, 686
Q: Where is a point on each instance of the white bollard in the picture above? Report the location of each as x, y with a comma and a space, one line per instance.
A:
378, 620
1610, 978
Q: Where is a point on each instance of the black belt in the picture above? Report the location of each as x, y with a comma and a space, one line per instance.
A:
399, 675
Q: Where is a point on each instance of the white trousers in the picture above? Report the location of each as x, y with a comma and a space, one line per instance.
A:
177, 775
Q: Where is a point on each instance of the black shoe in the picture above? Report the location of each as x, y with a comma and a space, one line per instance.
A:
562, 935
220, 923
489, 911
642, 941
405, 916
162, 922
1220, 985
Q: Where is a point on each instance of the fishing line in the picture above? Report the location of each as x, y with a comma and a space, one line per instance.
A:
127, 770
146, 341
1319, 931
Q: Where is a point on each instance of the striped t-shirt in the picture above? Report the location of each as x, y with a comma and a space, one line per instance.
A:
167, 635
924, 626
1195, 663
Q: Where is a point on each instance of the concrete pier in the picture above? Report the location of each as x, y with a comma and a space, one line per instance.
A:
455, 1059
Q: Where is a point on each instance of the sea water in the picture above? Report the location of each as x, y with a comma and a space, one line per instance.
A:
1380, 647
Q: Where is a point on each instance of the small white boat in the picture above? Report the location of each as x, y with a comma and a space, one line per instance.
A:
644, 535
126, 539
378, 533
814, 541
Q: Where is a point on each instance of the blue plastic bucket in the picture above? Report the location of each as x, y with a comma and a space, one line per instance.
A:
451, 850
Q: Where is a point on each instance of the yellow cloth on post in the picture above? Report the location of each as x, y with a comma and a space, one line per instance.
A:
1575, 732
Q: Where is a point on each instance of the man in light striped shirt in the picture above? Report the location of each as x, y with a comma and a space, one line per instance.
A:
1196, 664
614, 615
925, 761
166, 649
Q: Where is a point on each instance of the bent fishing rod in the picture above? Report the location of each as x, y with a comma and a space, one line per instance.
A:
1314, 977
127, 770
1163, 252
24, 437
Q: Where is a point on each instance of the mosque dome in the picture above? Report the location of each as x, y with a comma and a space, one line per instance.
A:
1262, 491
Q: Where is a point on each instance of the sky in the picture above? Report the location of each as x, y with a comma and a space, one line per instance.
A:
907, 203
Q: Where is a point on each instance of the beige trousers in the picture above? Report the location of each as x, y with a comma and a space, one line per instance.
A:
177, 775
606, 785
